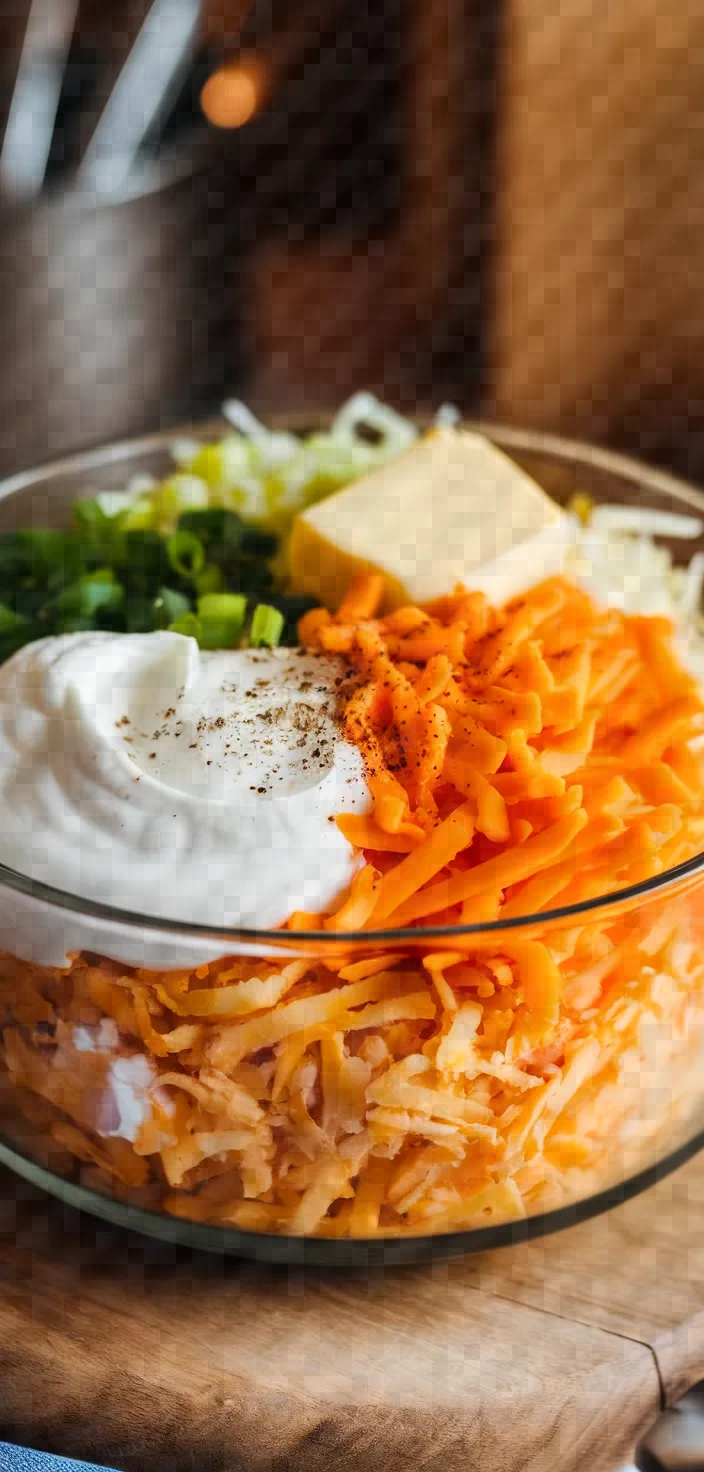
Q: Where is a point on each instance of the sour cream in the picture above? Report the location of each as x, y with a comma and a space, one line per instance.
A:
139, 771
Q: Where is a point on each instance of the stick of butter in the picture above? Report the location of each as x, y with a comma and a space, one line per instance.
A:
451, 509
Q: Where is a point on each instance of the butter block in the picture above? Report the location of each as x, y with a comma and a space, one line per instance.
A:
451, 509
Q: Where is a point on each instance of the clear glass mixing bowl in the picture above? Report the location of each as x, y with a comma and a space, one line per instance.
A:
644, 1119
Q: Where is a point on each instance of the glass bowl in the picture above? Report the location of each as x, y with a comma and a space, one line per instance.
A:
644, 1118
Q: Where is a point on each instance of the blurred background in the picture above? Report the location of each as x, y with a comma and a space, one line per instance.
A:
485, 201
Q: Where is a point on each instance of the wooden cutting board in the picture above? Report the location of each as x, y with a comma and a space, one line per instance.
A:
546, 1357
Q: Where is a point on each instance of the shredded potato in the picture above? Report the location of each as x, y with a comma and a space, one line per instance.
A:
519, 760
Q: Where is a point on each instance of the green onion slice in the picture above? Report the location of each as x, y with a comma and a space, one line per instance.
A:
210, 580
221, 616
9, 619
267, 627
186, 554
187, 624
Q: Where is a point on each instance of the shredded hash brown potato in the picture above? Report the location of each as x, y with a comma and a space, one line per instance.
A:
519, 760
431, 1095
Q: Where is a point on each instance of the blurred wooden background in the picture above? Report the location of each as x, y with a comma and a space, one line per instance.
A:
493, 201
383, 287
598, 269
542, 263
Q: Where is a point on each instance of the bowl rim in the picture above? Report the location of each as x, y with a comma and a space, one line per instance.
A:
555, 447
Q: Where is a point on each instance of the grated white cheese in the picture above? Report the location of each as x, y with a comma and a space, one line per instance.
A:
616, 559
645, 522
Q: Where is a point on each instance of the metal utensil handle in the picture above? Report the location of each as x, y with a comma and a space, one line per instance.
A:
148, 77
32, 116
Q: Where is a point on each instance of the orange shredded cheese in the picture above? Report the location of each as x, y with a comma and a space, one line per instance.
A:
477, 734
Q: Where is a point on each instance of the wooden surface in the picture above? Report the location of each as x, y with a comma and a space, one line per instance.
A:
550, 1357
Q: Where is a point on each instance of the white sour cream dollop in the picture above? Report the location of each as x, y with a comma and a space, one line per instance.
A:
141, 772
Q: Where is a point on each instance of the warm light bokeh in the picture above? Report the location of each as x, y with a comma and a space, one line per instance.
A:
233, 94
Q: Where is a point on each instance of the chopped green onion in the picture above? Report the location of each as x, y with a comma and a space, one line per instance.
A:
211, 534
246, 575
102, 535
9, 620
258, 543
226, 463
99, 589
140, 616
267, 626
214, 525
210, 580
46, 548
160, 509
222, 605
145, 555
190, 491
221, 617
77, 606
187, 624
293, 606
168, 606
89, 517
186, 554
13, 556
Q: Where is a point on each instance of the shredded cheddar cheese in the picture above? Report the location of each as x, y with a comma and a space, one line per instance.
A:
493, 740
